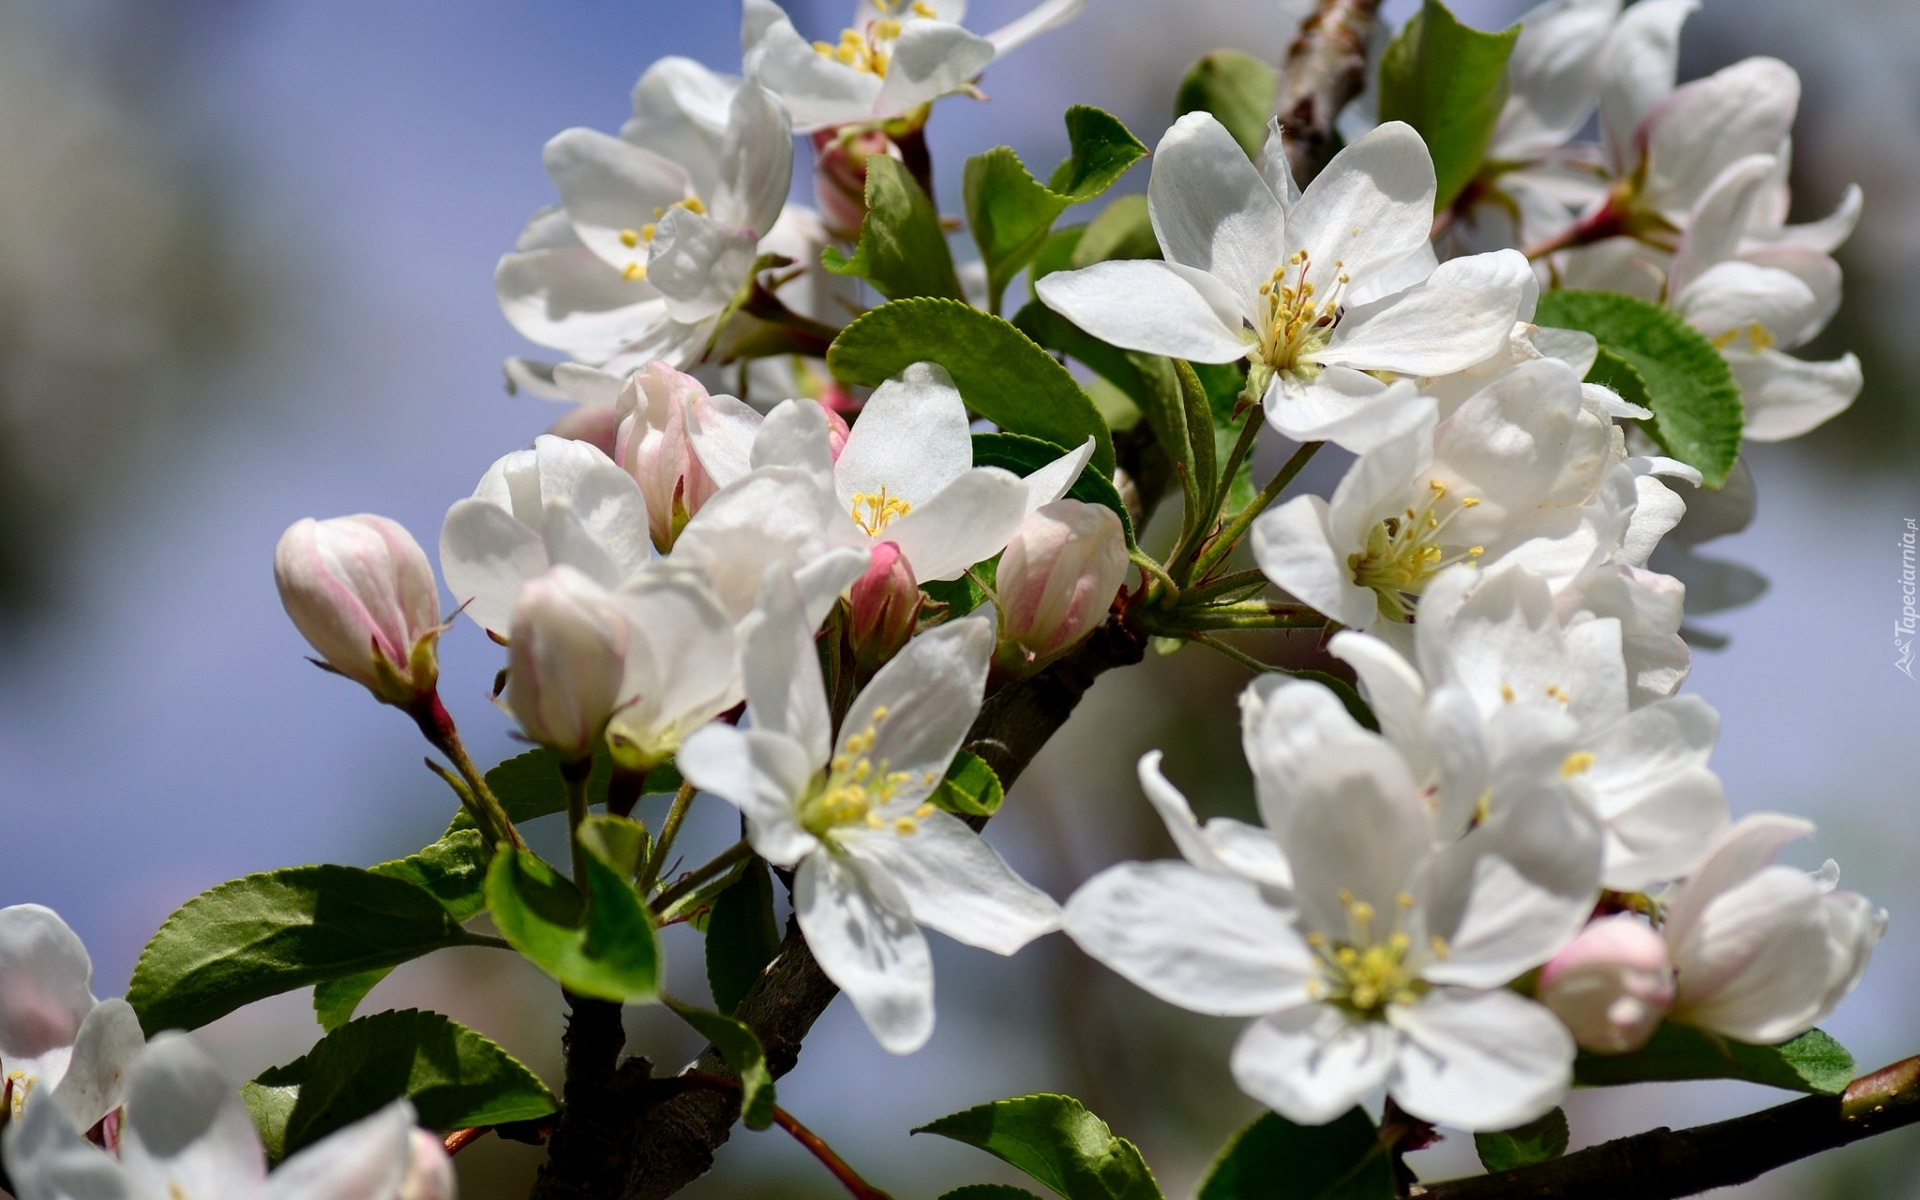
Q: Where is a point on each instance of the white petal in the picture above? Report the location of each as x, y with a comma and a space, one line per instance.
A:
722, 431
185, 1132
1462, 314
930, 59
795, 435
970, 520
104, 1051
610, 188
1051, 482
1295, 547
816, 90
698, 264
680, 113
45, 975
1276, 168
1150, 306
680, 661
1370, 208
763, 775
1733, 297
1739, 850
1650, 784
955, 883
1356, 830
1393, 689
1554, 73
1703, 127
921, 704
911, 439
1313, 1063
824, 580
1349, 408
1487, 1061
572, 300
48, 1160
485, 557
1714, 226
859, 929
776, 515
1048, 14
781, 669
1212, 211
367, 1160
605, 500
1638, 65
1786, 396
1825, 234
756, 162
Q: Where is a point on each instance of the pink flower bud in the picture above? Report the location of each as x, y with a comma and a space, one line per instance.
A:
654, 447
361, 591
840, 176
598, 425
1057, 580
429, 1171
1611, 985
838, 431
886, 607
566, 660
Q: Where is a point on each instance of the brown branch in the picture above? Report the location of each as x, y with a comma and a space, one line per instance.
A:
1663, 1165
583, 1155
1326, 67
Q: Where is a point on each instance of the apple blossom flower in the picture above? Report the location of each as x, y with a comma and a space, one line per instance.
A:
1314, 291
897, 56
361, 591
873, 861
1057, 580
656, 407
562, 502
1382, 959
1762, 952
568, 656
186, 1134
57, 1043
1611, 985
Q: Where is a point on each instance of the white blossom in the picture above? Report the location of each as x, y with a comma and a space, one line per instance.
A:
57, 1043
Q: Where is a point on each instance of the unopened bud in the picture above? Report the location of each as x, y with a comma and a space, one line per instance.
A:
654, 447
838, 431
598, 425
886, 606
566, 660
1057, 580
361, 591
840, 176
1612, 985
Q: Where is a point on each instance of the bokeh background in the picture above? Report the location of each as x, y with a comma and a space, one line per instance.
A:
245, 259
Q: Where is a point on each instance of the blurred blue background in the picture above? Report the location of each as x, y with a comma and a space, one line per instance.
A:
245, 277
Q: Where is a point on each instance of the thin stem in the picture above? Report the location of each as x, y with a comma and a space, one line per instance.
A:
699, 875
669, 830
849, 1178
1256, 615
1201, 593
574, 776
1233, 652
1154, 570
1228, 538
1243, 445
436, 723
460, 1139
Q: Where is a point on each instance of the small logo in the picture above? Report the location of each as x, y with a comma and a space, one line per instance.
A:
1903, 629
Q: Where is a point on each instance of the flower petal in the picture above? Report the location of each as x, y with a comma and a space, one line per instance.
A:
698, 264
572, 300
756, 162
1212, 211
911, 439
368, 1159
969, 521
781, 669
45, 975
1313, 1063
185, 1132
1554, 74
955, 883
1480, 1062
1462, 314
859, 928
921, 704
930, 59
104, 1050
1638, 65
1048, 14
762, 774
1295, 548
611, 188
485, 557
1703, 127
1371, 207
48, 1160
815, 89
1150, 306
1786, 396
1051, 482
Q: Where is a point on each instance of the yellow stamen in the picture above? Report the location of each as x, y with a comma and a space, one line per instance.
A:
633, 272
874, 511
1576, 764
629, 238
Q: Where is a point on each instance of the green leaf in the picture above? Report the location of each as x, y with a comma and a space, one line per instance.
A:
1058, 1142
1024, 455
1696, 403
1200, 457
529, 785
1536, 1141
1237, 89
1274, 1159
1612, 371
455, 1077
1812, 1062
960, 596
741, 1049
1000, 372
1124, 229
266, 934
1103, 151
602, 947
334, 1000
970, 788
454, 869
1056, 253
902, 250
1449, 81
989, 1191
620, 842
742, 936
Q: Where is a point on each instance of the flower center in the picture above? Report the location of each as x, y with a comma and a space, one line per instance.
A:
874, 511
1297, 326
870, 50
855, 789
632, 238
18, 1084
1404, 552
1365, 972
1757, 337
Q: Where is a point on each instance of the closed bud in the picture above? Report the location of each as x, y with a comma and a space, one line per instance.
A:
840, 175
361, 591
886, 607
655, 448
1612, 985
1057, 580
567, 656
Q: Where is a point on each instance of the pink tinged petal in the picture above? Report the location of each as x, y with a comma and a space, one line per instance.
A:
1047, 15
784, 688
45, 976
1462, 314
1205, 942
955, 883
185, 1132
1295, 548
1150, 306
1737, 852
930, 59
368, 1159
756, 162
1213, 212
104, 1050
911, 439
921, 704
1312, 1063
1611, 985
859, 926
1370, 208
430, 1174
1483, 1061
1714, 226
1638, 67
567, 660
1554, 74
1059, 575
359, 589
486, 556
761, 773
611, 188
968, 521
572, 300
1705, 126
1786, 396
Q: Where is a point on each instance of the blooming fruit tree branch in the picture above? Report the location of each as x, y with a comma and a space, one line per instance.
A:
822, 537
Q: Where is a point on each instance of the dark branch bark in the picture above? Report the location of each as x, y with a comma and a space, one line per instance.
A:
583, 1159
1326, 67
1663, 1165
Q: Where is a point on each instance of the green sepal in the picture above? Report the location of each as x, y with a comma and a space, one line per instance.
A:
1274, 1159
902, 249
1056, 1141
970, 788
737, 1044
1448, 81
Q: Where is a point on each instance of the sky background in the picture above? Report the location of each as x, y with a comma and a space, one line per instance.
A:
246, 250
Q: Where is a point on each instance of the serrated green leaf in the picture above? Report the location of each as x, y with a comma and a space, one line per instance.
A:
1274, 1159
1536, 1141
970, 788
1056, 253
1449, 81
1697, 414
529, 785
1056, 1141
902, 249
334, 1000
1124, 229
741, 1049
742, 936
1024, 455
1200, 457
989, 1191
959, 596
1611, 371
602, 947
1104, 149
256, 937
455, 1077
1812, 1062
620, 842
454, 869
1000, 372
1237, 88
